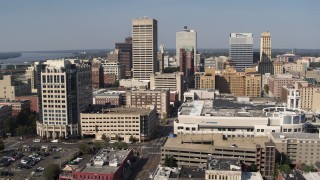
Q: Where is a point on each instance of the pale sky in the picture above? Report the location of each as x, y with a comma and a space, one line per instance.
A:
35, 25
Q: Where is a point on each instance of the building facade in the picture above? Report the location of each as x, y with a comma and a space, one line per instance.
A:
253, 85
157, 98
97, 74
125, 55
5, 112
114, 68
186, 39
301, 148
103, 96
241, 50
17, 106
120, 124
168, 81
276, 82
187, 66
194, 150
144, 48
265, 64
10, 89
105, 165
64, 92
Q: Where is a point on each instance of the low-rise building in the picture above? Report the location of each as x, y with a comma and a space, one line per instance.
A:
5, 112
33, 101
104, 96
157, 98
300, 147
235, 119
107, 164
17, 106
276, 82
127, 124
168, 81
194, 150
223, 168
10, 89
134, 83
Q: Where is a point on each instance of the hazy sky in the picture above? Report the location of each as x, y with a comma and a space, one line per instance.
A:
98, 24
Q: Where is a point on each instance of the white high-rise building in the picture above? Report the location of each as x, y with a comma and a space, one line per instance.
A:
241, 50
144, 48
65, 91
186, 39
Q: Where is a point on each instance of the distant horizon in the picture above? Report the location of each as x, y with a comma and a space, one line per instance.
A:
80, 24
110, 49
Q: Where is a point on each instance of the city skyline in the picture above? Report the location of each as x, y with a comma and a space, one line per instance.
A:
67, 25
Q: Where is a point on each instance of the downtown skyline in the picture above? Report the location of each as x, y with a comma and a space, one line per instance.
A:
61, 25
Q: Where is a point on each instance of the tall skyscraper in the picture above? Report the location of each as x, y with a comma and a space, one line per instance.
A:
187, 66
186, 39
144, 47
241, 50
265, 64
125, 55
64, 91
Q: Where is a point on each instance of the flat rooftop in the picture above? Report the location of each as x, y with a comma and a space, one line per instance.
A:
251, 176
204, 142
108, 157
311, 175
106, 92
121, 110
223, 164
220, 107
296, 135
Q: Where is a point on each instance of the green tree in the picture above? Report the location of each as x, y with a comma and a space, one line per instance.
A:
309, 168
85, 149
166, 161
8, 125
170, 161
52, 171
253, 167
2, 146
120, 145
131, 139
266, 88
105, 138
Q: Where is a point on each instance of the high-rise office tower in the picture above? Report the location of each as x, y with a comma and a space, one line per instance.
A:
144, 47
265, 64
125, 55
186, 39
64, 91
187, 66
241, 50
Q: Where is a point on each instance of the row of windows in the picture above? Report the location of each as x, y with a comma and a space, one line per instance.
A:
54, 123
53, 91
105, 122
57, 111
53, 86
52, 119
54, 96
56, 115
54, 106
54, 101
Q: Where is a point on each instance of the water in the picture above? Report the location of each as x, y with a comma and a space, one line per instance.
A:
29, 57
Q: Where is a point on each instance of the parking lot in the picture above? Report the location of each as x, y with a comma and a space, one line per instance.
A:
30, 159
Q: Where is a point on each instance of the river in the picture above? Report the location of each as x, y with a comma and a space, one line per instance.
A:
28, 57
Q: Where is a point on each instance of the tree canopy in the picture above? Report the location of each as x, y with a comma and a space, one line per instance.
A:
52, 171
